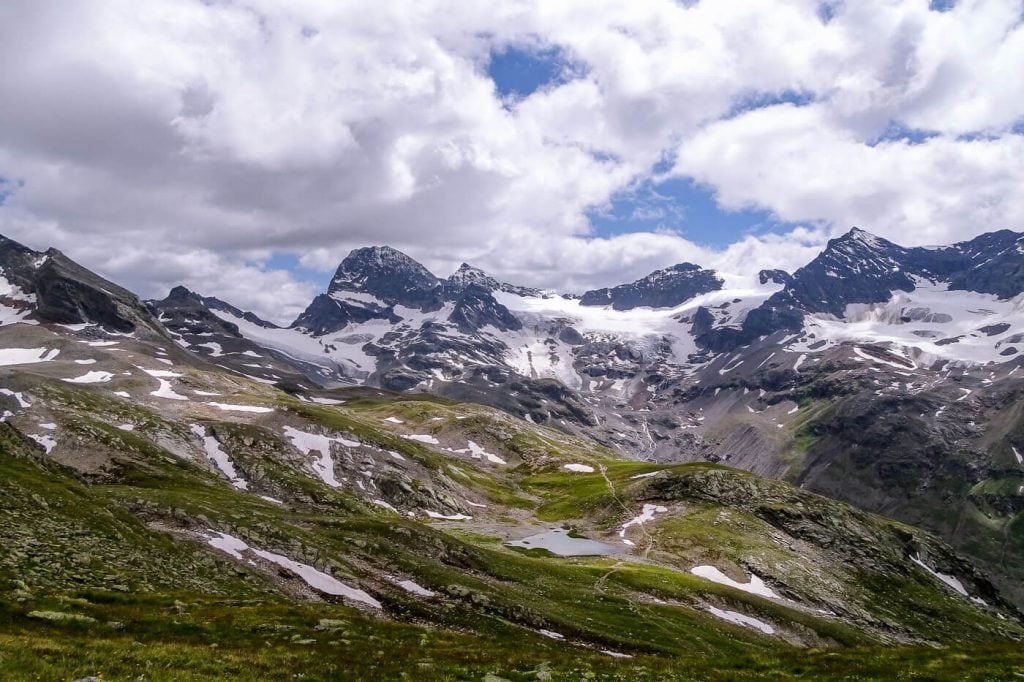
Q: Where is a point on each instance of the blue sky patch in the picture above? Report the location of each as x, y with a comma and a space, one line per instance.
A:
898, 131
9, 187
941, 5
827, 11
280, 260
762, 100
519, 71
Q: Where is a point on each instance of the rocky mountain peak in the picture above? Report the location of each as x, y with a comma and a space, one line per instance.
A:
182, 294
663, 288
774, 276
467, 275
384, 272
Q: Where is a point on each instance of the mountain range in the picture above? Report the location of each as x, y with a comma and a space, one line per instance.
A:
828, 458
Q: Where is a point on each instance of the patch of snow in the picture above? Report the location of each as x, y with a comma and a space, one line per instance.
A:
241, 408
127, 427
449, 517
579, 468
160, 373
421, 438
166, 392
122, 394
478, 452
649, 474
92, 378
740, 619
551, 635
306, 443
394, 420
1020, 458
215, 349
48, 427
220, 458
27, 356
316, 579
755, 586
382, 503
948, 579
17, 396
412, 588
85, 362
646, 515
327, 401
46, 441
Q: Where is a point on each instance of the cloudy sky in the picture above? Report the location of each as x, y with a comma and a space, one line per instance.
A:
244, 147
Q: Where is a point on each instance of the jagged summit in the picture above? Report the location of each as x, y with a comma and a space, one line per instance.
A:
384, 272
63, 292
663, 288
468, 274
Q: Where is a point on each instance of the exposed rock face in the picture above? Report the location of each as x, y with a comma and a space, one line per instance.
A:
476, 308
774, 276
387, 274
377, 283
185, 312
67, 293
660, 289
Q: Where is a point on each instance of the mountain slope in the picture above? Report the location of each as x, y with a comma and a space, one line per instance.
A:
183, 503
755, 377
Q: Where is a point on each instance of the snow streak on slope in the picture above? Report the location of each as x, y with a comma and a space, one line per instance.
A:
313, 577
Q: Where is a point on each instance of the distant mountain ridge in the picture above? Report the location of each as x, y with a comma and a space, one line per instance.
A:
885, 376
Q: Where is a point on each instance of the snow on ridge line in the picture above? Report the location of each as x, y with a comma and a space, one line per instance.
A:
316, 579
741, 619
755, 586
